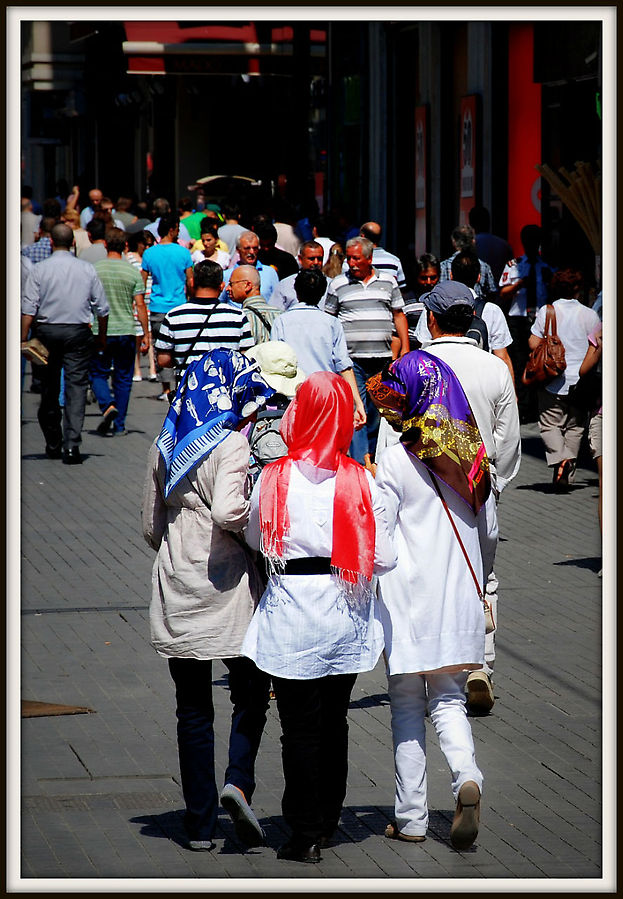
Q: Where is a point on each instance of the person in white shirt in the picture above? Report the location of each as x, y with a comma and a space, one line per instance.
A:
489, 388
561, 422
440, 510
316, 517
209, 238
465, 269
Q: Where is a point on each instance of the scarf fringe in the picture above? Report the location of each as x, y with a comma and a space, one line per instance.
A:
355, 587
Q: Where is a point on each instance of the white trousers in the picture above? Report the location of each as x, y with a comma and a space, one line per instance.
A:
445, 695
491, 592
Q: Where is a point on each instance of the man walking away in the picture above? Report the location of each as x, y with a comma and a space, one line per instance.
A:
124, 286
61, 295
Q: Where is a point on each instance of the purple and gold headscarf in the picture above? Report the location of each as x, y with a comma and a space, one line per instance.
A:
421, 396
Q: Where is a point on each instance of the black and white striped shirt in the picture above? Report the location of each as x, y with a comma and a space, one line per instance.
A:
227, 328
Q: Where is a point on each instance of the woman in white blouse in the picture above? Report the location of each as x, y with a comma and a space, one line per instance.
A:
317, 518
435, 485
562, 422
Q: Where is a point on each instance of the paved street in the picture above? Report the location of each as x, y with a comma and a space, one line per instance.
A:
100, 791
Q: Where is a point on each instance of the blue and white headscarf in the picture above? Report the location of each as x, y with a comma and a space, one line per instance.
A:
216, 393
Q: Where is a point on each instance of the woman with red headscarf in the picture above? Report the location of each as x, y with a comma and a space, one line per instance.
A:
316, 516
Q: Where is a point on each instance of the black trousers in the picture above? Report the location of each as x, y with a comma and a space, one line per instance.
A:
314, 749
71, 348
248, 690
519, 327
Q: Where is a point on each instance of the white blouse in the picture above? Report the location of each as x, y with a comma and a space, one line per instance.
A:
304, 627
431, 612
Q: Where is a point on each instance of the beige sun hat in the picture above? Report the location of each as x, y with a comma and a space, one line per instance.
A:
279, 366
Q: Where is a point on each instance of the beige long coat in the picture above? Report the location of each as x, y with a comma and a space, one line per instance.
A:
204, 583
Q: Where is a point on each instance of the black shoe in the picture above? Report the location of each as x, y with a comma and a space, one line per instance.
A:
72, 456
53, 452
290, 853
107, 421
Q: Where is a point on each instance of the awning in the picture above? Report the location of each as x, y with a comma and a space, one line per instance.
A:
159, 48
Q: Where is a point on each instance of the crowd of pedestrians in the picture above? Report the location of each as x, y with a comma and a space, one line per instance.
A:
324, 488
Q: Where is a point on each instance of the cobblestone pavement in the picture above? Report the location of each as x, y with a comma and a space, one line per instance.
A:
100, 792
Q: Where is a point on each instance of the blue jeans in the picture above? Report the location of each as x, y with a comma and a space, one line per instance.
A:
364, 440
249, 689
120, 351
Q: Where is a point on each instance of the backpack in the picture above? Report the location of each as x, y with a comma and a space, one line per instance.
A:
265, 441
478, 330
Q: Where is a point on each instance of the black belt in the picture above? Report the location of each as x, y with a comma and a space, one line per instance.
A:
308, 565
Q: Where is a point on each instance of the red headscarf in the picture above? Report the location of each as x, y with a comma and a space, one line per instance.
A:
317, 429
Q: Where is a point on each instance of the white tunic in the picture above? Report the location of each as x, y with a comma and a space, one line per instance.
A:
303, 627
432, 616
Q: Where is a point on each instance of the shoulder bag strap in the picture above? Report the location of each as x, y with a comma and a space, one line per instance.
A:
188, 352
550, 322
264, 321
457, 535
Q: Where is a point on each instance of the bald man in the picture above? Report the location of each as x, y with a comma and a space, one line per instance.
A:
95, 200
244, 290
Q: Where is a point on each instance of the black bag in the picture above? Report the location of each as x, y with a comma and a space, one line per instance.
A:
478, 330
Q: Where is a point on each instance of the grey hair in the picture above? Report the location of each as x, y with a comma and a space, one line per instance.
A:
245, 235
463, 237
367, 247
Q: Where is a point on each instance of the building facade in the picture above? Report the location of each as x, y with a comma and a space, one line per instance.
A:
408, 123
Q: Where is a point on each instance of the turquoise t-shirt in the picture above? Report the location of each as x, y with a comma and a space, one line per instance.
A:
167, 263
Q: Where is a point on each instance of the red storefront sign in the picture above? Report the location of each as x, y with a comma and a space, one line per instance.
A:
467, 157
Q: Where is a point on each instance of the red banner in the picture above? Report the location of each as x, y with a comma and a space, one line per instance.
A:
524, 135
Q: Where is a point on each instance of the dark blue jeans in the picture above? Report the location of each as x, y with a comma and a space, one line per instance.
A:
120, 352
249, 689
364, 440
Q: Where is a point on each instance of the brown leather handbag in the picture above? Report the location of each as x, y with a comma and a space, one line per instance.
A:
547, 360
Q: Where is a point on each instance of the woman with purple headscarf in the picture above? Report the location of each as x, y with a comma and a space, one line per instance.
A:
432, 613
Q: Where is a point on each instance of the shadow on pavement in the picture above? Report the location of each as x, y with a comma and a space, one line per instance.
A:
594, 563
548, 487
366, 702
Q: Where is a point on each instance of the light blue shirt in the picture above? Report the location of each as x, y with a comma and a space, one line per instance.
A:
316, 337
167, 263
64, 290
183, 237
284, 295
268, 281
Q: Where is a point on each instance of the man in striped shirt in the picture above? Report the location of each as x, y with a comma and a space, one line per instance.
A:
382, 260
369, 305
202, 324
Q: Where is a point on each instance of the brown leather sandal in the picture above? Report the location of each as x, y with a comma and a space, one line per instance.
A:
392, 833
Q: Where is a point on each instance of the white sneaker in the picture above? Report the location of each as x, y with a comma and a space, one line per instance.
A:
479, 691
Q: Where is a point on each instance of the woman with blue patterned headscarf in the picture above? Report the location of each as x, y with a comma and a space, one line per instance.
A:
205, 585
